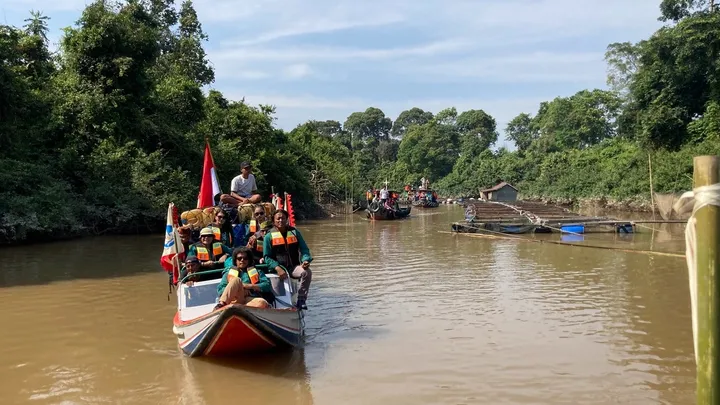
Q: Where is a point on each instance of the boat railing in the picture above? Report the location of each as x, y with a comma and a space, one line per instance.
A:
260, 266
200, 273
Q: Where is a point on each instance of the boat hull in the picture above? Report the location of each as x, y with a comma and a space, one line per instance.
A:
236, 330
386, 215
425, 204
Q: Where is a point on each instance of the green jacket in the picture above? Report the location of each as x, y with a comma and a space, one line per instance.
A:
264, 283
192, 251
270, 259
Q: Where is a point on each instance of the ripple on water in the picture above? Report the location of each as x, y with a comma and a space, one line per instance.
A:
398, 314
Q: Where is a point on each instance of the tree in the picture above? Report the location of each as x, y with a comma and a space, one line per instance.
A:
429, 150
522, 131
675, 81
190, 55
370, 125
578, 121
675, 10
477, 131
408, 118
623, 62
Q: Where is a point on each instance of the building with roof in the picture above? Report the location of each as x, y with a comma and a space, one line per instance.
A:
500, 192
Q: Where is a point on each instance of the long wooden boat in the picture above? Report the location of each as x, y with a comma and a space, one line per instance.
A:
382, 214
235, 330
423, 201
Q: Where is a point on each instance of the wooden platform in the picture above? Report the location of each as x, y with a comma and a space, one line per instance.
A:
533, 217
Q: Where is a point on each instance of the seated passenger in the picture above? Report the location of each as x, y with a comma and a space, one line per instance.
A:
222, 229
285, 251
186, 237
192, 265
243, 189
243, 283
258, 218
255, 243
211, 254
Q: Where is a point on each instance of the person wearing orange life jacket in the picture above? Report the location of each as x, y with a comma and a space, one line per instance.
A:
242, 283
222, 229
211, 254
258, 218
255, 243
285, 251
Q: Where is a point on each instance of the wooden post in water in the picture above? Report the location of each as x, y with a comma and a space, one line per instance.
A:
708, 286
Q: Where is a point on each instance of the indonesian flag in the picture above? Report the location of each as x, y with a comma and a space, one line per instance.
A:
173, 251
209, 187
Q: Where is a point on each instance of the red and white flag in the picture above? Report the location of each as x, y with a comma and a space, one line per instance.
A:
173, 251
209, 187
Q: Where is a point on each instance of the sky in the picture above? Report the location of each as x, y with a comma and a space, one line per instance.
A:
323, 60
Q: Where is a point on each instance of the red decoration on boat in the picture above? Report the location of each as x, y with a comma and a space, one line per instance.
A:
291, 213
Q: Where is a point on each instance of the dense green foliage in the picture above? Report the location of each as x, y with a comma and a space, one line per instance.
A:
101, 135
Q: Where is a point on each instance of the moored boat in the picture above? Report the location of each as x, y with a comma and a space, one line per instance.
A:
376, 212
236, 329
425, 199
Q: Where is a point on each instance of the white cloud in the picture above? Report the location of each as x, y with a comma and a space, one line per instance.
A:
313, 27
343, 54
45, 5
297, 71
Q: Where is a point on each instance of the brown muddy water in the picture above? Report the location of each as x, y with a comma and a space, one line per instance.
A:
399, 314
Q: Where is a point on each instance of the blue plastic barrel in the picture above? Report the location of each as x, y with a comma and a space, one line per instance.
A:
574, 228
572, 238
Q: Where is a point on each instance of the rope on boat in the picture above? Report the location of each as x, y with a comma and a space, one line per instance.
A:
513, 237
704, 196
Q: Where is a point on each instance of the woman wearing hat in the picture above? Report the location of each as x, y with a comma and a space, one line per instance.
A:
211, 254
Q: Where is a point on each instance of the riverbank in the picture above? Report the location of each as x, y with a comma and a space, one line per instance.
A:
139, 225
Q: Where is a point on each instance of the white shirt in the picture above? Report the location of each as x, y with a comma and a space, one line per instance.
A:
242, 186
383, 194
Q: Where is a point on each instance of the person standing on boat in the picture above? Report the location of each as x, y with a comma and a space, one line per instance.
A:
243, 189
286, 252
256, 241
384, 195
243, 283
211, 254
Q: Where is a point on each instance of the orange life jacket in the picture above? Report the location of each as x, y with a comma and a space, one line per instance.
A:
285, 250
204, 255
251, 271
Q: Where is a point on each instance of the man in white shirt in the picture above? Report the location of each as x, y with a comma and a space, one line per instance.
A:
243, 189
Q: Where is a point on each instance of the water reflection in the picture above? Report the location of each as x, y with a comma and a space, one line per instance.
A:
399, 313
277, 378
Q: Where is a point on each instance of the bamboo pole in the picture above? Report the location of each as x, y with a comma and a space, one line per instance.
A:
652, 194
708, 300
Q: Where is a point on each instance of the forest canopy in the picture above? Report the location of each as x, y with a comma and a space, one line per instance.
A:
102, 134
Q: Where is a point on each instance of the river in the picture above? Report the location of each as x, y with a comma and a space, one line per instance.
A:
399, 314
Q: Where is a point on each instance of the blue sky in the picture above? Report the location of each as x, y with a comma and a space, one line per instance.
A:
319, 59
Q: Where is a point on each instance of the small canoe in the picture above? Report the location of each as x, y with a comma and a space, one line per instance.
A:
235, 330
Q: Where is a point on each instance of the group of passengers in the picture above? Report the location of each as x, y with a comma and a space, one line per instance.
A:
284, 252
384, 197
